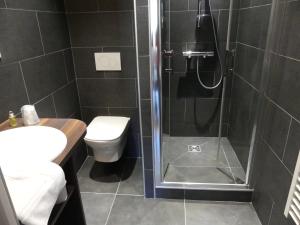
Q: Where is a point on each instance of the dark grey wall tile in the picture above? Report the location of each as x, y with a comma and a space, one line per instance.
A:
44, 75
66, 100
84, 61
13, 93
274, 180
146, 117
148, 156
19, 35
107, 92
215, 4
115, 5
248, 64
284, 83
45, 108
142, 2
253, 26
47, 5
143, 30
275, 126
292, 147
278, 218
89, 113
176, 5
69, 64
92, 29
2, 4
81, 6
144, 77
128, 62
149, 183
288, 30
245, 3
260, 2
54, 31
262, 204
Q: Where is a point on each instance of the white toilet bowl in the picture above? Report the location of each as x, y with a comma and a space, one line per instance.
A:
107, 136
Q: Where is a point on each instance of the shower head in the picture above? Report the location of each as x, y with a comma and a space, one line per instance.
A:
201, 12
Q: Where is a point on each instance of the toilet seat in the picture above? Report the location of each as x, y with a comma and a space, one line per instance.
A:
106, 128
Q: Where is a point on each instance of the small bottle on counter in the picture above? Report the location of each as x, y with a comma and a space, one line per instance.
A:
12, 119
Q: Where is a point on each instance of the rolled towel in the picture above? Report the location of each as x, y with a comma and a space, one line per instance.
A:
34, 189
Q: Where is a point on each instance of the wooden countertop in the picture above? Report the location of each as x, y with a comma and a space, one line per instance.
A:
72, 128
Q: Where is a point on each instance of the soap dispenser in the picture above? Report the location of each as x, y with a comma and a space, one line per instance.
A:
12, 119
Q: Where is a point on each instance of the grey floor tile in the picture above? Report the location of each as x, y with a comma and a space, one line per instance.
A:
204, 213
132, 178
92, 177
199, 175
133, 210
96, 207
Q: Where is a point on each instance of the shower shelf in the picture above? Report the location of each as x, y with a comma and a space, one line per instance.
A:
190, 54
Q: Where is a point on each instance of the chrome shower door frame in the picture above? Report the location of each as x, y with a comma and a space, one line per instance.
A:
156, 109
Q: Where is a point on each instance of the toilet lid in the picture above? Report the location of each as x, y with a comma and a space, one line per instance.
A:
106, 128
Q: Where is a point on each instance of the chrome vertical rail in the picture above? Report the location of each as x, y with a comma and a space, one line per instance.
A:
155, 73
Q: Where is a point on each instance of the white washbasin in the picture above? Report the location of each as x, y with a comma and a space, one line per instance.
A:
31, 143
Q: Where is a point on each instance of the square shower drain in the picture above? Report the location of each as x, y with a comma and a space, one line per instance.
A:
194, 148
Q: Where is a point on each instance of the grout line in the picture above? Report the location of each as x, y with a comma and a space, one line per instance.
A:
32, 10
255, 6
24, 82
282, 109
285, 56
41, 36
250, 46
113, 202
52, 97
287, 138
276, 156
96, 193
270, 216
83, 163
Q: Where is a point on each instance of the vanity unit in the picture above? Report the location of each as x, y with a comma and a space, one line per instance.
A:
71, 210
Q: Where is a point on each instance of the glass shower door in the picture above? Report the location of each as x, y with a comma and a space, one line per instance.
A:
195, 93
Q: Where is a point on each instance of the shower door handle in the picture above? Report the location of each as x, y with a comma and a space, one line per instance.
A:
169, 55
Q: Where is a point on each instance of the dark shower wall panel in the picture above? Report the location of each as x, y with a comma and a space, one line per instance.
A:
193, 110
105, 26
282, 143
36, 59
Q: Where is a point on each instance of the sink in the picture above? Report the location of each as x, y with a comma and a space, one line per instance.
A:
31, 143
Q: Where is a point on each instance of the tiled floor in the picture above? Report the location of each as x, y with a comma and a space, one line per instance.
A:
118, 199
181, 165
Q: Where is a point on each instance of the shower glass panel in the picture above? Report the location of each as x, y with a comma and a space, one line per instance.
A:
200, 140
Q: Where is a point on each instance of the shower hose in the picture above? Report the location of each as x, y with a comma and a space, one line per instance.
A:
219, 58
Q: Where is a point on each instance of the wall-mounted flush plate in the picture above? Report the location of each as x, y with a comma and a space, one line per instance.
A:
108, 61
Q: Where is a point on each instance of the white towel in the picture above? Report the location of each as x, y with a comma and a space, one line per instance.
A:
34, 189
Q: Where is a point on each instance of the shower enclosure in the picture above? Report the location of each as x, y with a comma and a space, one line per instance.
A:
202, 136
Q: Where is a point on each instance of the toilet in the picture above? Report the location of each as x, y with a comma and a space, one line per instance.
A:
107, 136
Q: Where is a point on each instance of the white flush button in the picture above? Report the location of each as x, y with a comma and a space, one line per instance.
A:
108, 61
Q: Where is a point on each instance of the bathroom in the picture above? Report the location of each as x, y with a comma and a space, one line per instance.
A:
165, 112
